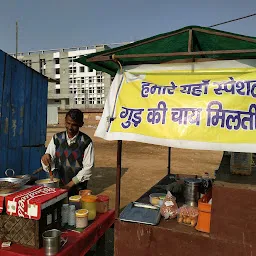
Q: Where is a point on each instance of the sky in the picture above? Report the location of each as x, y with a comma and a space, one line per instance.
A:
55, 24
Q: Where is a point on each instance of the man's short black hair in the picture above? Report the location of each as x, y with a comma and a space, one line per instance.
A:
76, 115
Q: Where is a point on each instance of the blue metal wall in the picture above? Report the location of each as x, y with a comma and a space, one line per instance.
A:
23, 116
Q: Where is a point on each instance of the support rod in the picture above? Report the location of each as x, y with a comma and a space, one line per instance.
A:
118, 177
169, 161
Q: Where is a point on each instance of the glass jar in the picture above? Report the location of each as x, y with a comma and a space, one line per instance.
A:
85, 192
76, 201
89, 203
81, 218
64, 214
102, 203
72, 215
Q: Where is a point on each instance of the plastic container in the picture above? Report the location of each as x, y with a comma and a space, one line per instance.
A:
204, 213
76, 201
89, 203
187, 215
81, 218
85, 192
102, 203
157, 198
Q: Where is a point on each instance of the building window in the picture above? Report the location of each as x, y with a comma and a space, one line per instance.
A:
99, 90
27, 62
57, 101
57, 81
70, 90
99, 100
90, 70
76, 101
99, 79
42, 64
72, 69
81, 69
82, 101
91, 90
57, 71
57, 61
70, 59
90, 79
82, 80
57, 91
82, 90
74, 80
91, 101
74, 90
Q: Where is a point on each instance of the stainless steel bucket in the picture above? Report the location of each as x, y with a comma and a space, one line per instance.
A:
52, 241
192, 192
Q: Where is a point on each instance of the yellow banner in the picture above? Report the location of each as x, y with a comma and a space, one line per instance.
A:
211, 106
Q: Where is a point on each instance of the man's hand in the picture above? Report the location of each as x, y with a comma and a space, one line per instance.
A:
69, 185
46, 159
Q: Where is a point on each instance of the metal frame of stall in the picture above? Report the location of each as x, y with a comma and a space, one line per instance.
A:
111, 56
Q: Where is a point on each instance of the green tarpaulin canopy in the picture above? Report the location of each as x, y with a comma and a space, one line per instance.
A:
191, 43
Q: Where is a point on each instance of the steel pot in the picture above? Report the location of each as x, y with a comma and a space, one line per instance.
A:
55, 183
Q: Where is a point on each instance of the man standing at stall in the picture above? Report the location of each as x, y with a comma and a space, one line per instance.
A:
70, 154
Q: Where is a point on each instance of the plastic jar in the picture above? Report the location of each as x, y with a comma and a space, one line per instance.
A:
81, 218
102, 203
89, 203
76, 201
85, 192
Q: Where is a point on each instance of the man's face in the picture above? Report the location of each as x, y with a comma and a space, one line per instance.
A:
72, 127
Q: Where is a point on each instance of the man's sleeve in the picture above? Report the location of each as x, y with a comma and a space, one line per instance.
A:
88, 161
51, 151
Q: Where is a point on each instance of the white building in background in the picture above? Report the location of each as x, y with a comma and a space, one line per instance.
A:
75, 85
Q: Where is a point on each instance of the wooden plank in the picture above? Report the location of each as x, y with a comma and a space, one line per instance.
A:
6, 104
27, 125
14, 159
37, 106
219, 33
190, 40
33, 111
3, 161
35, 158
2, 70
17, 103
25, 161
127, 56
44, 97
42, 174
3, 154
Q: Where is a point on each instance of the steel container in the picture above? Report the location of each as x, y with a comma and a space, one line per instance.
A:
192, 191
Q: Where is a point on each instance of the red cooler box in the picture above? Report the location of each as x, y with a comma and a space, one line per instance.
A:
29, 213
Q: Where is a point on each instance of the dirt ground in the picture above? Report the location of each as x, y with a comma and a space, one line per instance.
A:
142, 165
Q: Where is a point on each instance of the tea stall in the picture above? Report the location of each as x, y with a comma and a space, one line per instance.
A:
38, 218
191, 88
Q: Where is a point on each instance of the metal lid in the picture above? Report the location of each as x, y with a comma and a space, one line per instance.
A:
191, 181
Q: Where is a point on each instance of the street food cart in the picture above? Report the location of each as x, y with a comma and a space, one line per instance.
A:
191, 88
26, 211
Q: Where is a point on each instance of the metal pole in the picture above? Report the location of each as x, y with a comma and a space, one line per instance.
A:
118, 177
16, 39
169, 161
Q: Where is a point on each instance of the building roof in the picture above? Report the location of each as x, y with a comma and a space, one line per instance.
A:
192, 43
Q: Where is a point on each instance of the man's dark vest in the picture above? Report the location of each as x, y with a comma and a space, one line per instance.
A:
69, 159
